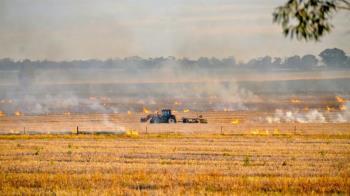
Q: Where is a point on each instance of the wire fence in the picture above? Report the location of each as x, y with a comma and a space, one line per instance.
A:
210, 128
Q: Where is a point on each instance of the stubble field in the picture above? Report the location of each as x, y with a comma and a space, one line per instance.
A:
175, 164
236, 153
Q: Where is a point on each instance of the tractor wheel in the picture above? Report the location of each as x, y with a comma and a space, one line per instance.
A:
171, 120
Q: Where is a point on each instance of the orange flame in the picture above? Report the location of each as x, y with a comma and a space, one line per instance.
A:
177, 103
18, 113
340, 99
129, 112
235, 121
2, 114
329, 109
146, 111
343, 107
105, 99
295, 101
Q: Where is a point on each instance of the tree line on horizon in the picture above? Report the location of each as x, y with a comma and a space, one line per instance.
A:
328, 58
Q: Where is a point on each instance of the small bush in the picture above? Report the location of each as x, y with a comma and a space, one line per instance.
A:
246, 161
226, 154
284, 163
322, 153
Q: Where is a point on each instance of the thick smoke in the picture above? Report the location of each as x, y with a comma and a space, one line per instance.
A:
312, 116
51, 104
280, 116
131, 84
40, 93
228, 97
344, 116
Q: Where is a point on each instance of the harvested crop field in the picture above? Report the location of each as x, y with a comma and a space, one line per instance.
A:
175, 164
273, 143
241, 122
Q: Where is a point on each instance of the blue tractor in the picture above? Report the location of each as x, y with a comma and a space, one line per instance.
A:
165, 117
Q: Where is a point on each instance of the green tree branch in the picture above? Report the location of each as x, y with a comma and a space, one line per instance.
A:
308, 19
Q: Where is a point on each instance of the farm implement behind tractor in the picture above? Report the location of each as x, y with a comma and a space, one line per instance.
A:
167, 117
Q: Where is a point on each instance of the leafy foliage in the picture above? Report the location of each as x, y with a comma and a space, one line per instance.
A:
306, 19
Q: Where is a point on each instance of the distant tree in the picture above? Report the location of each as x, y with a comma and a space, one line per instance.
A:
187, 62
277, 61
171, 58
309, 61
261, 63
334, 57
6, 64
293, 62
308, 19
251, 63
215, 62
266, 61
203, 62
229, 61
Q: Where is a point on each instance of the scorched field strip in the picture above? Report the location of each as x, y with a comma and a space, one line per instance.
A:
241, 122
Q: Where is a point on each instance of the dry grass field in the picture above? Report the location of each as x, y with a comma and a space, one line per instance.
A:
174, 98
115, 154
218, 122
173, 164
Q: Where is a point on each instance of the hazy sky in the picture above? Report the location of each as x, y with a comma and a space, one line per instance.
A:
83, 29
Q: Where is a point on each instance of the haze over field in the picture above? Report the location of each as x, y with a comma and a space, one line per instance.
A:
85, 29
174, 97
119, 56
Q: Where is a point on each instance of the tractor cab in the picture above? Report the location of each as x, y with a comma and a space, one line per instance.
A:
165, 117
166, 112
